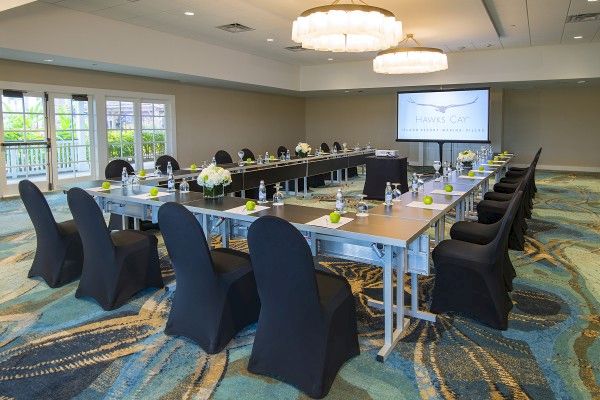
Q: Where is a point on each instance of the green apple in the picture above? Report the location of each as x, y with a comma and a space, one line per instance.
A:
193, 167
505, 152
428, 200
154, 191
334, 217
448, 188
142, 173
481, 168
272, 157
471, 173
490, 161
248, 159
106, 185
250, 205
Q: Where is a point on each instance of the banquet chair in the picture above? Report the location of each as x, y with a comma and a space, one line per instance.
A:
469, 277
116, 265
352, 171
223, 157
325, 147
162, 161
519, 171
281, 150
484, 233
248, 154
59, 254
216, 292
307, 325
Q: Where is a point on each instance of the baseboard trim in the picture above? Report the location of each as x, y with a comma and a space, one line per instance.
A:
573, 168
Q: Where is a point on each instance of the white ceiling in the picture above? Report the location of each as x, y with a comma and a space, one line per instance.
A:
454, 25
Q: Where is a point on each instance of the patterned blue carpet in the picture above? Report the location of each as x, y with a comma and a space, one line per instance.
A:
54, 346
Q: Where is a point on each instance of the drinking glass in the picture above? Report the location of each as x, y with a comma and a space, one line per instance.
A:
421, 182
241, 156
184, 186
397, 193
362, 208
345, 146
436, 167
157, 170
445, 169
259, 160
278, 196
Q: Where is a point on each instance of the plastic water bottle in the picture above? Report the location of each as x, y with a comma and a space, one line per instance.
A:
388, 194
214, 161
262, 192
171, 183
287, 155
415, 183
124, 177
267, 158
340, 205
169, 168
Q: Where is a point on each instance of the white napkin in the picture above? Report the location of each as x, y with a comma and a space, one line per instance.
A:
452, 193
242, 210
432, 206
472, 177
100, 189
326, 223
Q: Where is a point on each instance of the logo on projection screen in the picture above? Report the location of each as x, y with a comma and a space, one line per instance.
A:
459, 116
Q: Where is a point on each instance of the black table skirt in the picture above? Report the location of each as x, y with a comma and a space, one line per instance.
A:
384, 169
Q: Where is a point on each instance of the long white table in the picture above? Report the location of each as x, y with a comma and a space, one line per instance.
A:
395, 238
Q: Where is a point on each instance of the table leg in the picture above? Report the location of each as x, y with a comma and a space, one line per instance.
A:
124, 222
243, 193
287, 187
136, 224
305, 187
346, 175
339, 176
296, 188
225, 229
206, 228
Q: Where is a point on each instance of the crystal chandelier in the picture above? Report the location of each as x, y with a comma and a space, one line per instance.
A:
347, 28
410, 60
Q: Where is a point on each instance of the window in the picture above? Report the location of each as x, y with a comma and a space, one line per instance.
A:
154, 136
120, 130
72, 124
137, 130
23, 118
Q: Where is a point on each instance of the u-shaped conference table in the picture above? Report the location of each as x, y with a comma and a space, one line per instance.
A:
394, 238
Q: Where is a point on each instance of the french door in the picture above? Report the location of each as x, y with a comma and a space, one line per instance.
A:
45, 138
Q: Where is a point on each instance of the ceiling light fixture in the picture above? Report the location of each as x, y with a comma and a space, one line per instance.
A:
347, 28
577, 37
410, 60
189, 13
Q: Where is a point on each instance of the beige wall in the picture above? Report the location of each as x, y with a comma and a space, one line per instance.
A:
208, 119
564, 121
363, 118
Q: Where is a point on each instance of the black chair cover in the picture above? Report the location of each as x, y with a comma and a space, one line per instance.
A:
469, 277
384, 169
216, 293
162, 162
59, 253
116, 265
325, 147
307, 325
223, 157
248, 154
114, 169
281, 150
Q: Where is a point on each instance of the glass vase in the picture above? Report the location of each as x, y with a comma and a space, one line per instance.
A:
214, 192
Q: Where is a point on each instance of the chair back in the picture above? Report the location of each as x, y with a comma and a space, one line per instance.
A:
38, 209
499, 245
284, 272
281, 150
223, 157
188, 249
325, 147
114, 169
162, 162
337, 146
248, 154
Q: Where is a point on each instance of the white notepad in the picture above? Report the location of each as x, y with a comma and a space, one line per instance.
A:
100, 189
472, 177
432, 206
146, 196
242, 209
326, 223
452, 193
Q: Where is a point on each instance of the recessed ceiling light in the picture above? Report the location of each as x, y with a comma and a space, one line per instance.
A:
330, 59
270, 40
577, 37
580, 82
189, 13
48, 60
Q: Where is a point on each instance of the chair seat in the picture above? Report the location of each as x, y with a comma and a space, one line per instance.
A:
497, 196
333, 290
68, 228
473, 232
512, 180
229, 260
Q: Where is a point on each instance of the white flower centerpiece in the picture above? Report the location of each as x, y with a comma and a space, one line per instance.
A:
303, 149
466, 157
213, 179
